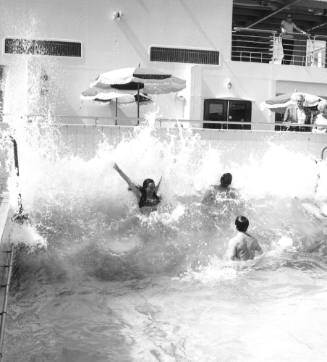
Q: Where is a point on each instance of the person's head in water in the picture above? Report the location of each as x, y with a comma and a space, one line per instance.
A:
149, 187
226, 179
241, 223
148, 192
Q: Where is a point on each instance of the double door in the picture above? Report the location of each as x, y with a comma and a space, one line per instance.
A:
235, 114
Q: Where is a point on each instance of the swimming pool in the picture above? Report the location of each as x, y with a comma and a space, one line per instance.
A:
114, 285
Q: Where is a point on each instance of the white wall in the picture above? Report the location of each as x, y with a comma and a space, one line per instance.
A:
253, 81
107, 44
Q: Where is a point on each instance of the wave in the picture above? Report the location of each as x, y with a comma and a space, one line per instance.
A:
91, 223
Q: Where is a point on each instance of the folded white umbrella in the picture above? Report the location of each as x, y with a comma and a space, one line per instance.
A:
151, 81
103, 96
279, 103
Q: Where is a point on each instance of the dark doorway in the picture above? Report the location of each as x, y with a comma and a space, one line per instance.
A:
228, 111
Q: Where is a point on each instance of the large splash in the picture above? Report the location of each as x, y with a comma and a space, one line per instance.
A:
82, 208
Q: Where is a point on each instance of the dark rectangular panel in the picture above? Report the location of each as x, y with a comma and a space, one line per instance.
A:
181, 55
43, 47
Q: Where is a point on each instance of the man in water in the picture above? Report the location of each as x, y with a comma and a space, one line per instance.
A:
243, 246
223, 190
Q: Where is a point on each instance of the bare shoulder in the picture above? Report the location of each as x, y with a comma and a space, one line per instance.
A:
238, 238
250, 238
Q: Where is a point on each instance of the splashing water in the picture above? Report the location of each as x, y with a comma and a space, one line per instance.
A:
115, 285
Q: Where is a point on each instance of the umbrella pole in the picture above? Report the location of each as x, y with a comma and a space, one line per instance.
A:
116, 112
138, 104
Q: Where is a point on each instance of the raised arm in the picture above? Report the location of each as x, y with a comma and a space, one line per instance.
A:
282, 28
286, 115
131, 184
158, 184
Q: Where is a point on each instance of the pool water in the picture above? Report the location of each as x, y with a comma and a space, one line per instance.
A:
106, 283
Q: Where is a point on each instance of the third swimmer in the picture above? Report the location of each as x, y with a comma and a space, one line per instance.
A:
243, 246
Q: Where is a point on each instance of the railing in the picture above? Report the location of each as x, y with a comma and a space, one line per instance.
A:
250, 45
94, 121
5, 284
323, 153
100, 121
267, 46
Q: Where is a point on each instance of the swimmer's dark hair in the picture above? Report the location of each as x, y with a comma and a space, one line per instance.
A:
142, 189
242, 223
226, 179
146, 182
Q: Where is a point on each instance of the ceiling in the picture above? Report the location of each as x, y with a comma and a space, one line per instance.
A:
309, 15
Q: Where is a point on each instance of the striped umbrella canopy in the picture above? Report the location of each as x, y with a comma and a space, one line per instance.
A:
151, 81
108, 96
279, 103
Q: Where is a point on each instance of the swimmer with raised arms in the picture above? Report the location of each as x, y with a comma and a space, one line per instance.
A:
243, 246
146, 195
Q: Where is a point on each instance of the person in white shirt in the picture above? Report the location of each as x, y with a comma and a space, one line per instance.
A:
298, 114
288, 28
321, 119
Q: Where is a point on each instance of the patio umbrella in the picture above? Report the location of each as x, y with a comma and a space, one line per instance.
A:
279, 103
107, 96
151, 81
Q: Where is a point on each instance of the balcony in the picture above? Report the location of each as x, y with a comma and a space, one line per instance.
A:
265, 46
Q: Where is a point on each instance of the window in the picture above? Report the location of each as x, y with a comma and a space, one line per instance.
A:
180, 55
216, 109
43, 47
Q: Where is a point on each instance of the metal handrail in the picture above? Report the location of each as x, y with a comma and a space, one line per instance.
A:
262, 46
237, 28
181, 121
319, 36
131, 122
322, 152
8, 266
15, 155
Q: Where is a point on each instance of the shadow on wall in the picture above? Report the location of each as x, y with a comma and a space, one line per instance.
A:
47, 86
133, 40
195, 21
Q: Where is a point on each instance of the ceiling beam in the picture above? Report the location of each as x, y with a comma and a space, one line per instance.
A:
273, 13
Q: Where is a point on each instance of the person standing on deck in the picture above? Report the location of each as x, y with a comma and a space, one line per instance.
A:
321, 119
288, 28
297, 113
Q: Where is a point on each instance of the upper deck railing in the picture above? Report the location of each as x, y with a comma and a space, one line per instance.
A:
266, 46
